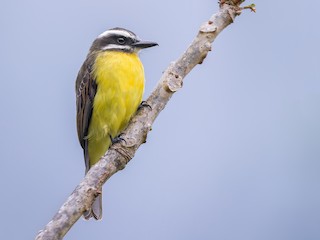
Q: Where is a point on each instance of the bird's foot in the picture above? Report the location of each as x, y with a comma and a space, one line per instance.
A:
144, 104
118, 139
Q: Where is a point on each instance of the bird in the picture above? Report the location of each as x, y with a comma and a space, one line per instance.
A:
109, 89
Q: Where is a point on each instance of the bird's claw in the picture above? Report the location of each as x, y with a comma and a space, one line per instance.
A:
118, 139
144, 104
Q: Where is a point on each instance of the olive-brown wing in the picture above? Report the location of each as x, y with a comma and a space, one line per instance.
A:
85, 91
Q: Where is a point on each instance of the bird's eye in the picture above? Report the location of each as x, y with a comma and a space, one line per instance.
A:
121, 40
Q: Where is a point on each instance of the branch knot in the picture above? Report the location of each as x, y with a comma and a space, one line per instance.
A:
174, 81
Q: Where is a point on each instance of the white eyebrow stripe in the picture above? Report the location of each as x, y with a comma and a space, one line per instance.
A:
116, 32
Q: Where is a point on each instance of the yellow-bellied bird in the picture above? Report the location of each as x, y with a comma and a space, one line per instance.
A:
109, 89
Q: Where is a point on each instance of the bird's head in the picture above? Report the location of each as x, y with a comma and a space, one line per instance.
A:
120, 39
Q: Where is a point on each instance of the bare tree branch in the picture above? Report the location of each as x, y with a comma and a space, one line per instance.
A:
120, 154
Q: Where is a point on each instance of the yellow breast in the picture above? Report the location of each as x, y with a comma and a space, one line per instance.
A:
120, 86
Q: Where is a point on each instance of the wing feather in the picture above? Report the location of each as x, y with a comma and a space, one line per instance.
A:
85, 92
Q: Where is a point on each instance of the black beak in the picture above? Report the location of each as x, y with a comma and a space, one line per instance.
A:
144, 44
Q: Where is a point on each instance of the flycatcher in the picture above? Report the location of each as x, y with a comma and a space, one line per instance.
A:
109, 89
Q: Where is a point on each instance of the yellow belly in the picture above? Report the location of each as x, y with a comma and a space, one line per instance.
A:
120, 86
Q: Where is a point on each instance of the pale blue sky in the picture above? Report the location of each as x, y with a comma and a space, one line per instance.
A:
235, 155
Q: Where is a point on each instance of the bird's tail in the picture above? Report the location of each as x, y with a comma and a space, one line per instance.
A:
96, 209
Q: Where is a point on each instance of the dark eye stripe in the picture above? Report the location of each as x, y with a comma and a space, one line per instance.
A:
114, 39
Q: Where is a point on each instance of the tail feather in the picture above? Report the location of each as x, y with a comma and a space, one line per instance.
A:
96, 209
